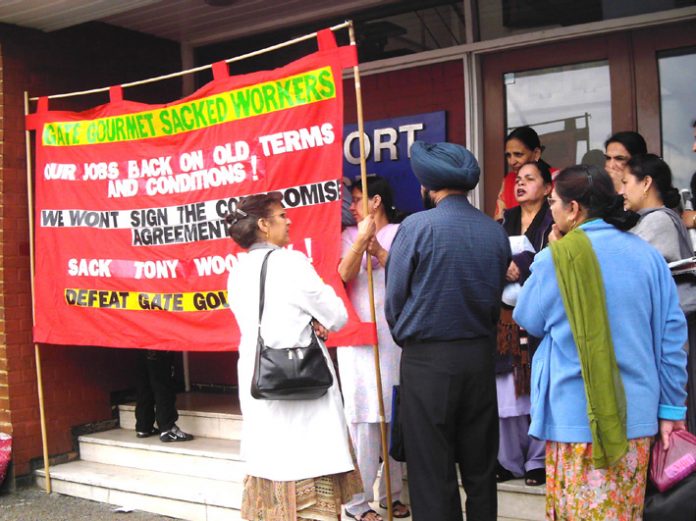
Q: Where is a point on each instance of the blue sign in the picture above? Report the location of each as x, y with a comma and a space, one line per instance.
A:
387, 151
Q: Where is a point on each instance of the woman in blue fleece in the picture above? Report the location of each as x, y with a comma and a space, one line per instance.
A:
611, 369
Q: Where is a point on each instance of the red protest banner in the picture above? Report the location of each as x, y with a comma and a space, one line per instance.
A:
131, 245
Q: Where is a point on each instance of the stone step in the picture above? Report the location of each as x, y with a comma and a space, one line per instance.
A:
519, 501
200, 414
201, 457
187, 498
190, 497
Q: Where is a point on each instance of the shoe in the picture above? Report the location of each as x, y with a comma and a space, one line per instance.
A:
399, 510
147, 434
535, 477
368, 515
175, 434
502, 474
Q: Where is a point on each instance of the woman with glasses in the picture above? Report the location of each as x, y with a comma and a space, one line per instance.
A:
297, 452
610, 371
619, 149
519, 454
647, 189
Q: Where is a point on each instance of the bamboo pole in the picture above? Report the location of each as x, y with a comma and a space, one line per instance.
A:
37, 351
370, 285
202, 67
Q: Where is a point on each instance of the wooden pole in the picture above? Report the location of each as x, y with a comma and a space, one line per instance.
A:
37, 351
370, 285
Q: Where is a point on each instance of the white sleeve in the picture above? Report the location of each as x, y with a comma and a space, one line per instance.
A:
314, 296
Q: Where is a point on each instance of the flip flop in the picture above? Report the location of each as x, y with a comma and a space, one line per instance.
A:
360, 517
397, 503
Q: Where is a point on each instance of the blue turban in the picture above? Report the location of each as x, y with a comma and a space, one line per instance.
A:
444, 165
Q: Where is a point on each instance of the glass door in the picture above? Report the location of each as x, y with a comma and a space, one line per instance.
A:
665, 69
568, 106
573, 93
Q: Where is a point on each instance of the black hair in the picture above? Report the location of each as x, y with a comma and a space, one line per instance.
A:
530, 139
632, 141
594, 190
242, 221
377, 185
543, 168
644, 165
527, 135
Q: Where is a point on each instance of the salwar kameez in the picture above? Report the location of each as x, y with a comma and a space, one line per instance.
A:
312, 499
577, 491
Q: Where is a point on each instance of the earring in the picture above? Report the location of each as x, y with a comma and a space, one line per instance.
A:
268, 235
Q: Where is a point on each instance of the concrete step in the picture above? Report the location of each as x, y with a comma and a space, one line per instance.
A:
187, 498
201, 457
519, 501
201, 414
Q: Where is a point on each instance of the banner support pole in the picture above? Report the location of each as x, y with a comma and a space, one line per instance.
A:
370, 284
37, 351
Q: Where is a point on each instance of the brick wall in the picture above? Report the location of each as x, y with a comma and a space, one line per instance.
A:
413, 91
78, 381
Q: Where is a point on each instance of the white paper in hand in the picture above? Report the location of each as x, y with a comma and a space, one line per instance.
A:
518, 244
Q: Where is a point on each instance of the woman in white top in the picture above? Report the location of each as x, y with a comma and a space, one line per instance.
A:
370, 240
297, 453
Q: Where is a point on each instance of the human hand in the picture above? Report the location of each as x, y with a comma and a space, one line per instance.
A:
374, 247
320, 330
513, 272
366, 229
669, 426
555, 234
689, 218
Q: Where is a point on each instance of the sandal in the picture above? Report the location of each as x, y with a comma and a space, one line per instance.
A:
399, 510
364, 516
535, 477
502, 474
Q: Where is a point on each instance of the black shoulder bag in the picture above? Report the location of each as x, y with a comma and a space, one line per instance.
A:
289, 373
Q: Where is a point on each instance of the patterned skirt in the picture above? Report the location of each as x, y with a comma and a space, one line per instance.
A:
576, 491
313, 499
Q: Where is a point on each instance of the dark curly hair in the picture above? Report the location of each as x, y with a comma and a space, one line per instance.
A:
242, 221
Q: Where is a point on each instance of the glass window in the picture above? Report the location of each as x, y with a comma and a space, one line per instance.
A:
677, 112
498, 18
432, 25
568, 106
395, 28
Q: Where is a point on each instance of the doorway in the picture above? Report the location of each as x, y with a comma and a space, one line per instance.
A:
576, 93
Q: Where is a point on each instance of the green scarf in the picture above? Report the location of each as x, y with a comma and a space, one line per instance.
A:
582, 290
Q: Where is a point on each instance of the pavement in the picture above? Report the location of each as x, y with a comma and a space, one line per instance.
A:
31, 503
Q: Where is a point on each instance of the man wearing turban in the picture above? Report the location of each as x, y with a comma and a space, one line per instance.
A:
445, 276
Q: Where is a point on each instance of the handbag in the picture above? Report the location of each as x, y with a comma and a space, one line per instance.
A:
289, 373
669, 467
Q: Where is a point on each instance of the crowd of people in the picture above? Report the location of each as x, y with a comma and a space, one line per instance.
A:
551, 344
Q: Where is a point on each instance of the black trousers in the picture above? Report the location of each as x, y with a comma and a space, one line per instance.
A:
449, 416
155, 391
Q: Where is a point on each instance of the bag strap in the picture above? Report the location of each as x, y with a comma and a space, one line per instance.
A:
685, 246
262, 287
262, 294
